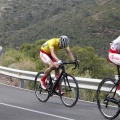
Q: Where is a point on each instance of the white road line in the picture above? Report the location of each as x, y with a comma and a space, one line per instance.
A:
36, 111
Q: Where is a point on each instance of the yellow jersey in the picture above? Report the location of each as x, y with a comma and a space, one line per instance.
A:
52, 43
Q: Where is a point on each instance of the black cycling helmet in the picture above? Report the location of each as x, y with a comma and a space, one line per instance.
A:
63, 41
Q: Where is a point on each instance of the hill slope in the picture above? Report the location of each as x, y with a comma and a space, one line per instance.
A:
85, 22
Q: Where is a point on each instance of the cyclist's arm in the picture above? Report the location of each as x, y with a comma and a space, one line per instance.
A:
53, 54
69, 53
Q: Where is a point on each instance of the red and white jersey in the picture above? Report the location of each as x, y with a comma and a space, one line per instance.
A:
115, 45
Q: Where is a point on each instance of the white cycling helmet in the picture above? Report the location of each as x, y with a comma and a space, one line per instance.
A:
63, 41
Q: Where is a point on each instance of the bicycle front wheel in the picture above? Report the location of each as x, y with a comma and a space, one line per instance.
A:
69, 87
40, 93
107, 99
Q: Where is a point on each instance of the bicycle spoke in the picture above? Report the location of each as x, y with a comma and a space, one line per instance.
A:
71, 92
107, 100
41, 94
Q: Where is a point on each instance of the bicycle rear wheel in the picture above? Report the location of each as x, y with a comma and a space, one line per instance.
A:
107, 98
40, 93
69, 86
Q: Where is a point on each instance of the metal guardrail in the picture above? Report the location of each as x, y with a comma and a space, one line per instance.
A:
84, 83
20, 74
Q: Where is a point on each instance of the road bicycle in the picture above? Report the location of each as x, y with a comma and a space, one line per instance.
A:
107, 99
67, 84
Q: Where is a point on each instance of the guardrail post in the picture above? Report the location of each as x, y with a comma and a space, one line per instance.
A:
21, 83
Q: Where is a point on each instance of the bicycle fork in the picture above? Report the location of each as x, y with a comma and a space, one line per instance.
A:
66, 82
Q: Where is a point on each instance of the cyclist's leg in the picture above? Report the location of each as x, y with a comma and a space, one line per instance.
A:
57, 73
118, 89
46, 59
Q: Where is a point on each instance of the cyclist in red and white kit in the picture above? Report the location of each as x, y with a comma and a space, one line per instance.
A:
114, 55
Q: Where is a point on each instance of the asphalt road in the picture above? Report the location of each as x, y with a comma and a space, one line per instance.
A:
20, 104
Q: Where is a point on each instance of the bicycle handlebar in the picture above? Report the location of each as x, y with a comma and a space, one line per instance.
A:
76, 63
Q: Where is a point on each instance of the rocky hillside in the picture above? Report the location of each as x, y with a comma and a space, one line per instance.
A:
85, 22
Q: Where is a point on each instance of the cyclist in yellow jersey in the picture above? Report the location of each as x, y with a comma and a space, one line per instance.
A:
53, 43
48, 56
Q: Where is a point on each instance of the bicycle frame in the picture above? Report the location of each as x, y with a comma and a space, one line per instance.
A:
62, 74
109, 102
67, 93
111, 99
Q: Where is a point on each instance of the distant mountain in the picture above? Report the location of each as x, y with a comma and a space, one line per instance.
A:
85, 22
